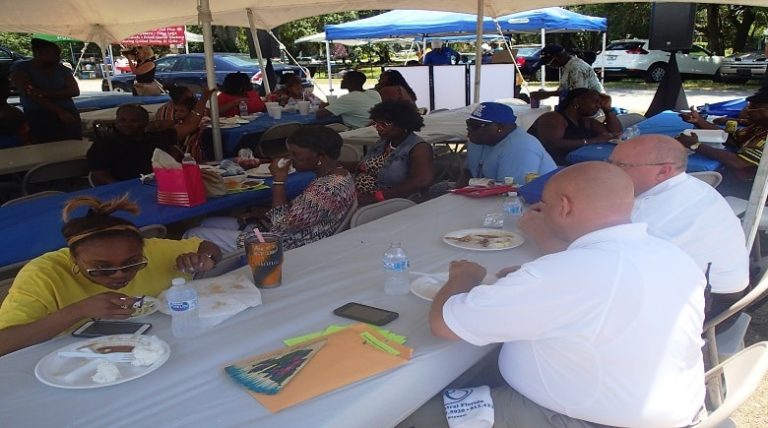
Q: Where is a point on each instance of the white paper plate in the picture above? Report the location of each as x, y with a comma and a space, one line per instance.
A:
262, 171
502, 240
150, 306
427, 287
225, 125
77, 373
709, 136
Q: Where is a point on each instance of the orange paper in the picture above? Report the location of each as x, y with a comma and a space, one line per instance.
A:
346, 358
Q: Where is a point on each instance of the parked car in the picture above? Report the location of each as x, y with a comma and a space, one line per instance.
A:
189, 70
7, 58
739, 68
633, 57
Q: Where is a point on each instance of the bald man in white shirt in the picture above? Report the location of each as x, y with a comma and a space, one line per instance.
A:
687, 212
606, 332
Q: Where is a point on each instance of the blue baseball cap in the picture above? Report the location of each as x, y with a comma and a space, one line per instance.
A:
494, 112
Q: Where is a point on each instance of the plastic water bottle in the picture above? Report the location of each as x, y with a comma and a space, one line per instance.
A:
188, 160
513, 210
243, 108
396, 266
183, 304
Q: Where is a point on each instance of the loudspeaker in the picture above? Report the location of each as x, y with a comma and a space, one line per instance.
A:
672, 26
269, 46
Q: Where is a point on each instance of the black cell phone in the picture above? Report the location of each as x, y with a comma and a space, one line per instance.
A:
106, 328
365, 313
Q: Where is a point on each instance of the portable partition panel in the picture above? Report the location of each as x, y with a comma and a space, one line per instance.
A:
452, 85
498, 82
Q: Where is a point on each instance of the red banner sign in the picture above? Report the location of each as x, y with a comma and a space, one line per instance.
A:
161, 37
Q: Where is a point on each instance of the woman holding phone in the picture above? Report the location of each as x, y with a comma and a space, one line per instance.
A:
105, 265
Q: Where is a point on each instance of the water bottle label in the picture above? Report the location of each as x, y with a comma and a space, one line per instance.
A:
182, 306
513, 209
399, 266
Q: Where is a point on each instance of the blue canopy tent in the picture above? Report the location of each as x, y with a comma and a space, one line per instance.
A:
424, 23
408, 23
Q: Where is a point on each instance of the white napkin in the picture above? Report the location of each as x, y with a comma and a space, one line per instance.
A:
161, 159
469, 407
222, 297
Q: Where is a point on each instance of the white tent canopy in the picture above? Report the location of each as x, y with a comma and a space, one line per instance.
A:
110, 21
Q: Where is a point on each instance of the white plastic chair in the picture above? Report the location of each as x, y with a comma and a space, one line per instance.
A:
630, 119
742, 375
228, 263
347, 217
26, 198
378, 210
349, 153
713, 178
153, 231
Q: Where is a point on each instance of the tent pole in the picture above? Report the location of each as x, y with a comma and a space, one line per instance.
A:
111, 63
204, 15
508, 47
292, 58
756, 204
257, 46
186, 42
328, 64
602, 67
410, 49
543, 67
479, 47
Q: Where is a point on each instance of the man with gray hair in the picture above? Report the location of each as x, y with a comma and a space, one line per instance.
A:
687, 212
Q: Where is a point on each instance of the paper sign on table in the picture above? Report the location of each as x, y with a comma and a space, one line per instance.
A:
345, 358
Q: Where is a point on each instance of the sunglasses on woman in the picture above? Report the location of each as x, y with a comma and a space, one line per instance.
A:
130, 268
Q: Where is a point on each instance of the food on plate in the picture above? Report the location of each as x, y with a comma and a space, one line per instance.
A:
485, 240
106, 372
147, 352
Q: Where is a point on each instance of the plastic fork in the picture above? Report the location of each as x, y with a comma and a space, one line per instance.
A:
115, 357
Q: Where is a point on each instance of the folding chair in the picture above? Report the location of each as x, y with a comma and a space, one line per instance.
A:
742, 375
713, 178
378, 210
347, 218
272, 141
5, 285
10, 271
37, 195
350, 153
630, 119
64, 175
153, 231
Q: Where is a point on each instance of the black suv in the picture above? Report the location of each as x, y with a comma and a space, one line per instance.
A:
189, 70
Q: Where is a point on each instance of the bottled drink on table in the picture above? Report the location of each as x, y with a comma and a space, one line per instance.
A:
513, 210
183, 304
243, 108
396, 266
188, 160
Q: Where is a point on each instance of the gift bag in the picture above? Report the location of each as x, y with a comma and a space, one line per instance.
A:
180, 186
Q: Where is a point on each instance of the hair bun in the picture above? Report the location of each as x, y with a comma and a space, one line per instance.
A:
98, 208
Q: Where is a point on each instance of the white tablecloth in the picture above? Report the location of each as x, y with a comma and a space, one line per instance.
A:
89, 117
192, 390
444, 126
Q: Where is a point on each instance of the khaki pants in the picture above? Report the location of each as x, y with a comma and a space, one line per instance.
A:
511, 409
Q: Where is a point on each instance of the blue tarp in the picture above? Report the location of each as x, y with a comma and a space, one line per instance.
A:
416, 23
407, 23
552, 20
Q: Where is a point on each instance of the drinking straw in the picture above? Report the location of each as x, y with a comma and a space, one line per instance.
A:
259, 236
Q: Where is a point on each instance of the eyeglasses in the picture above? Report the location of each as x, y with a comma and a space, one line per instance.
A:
105, 272
474, 124
635, 165
381, 125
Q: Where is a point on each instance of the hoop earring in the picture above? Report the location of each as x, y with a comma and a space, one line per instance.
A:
75, 269
319, 162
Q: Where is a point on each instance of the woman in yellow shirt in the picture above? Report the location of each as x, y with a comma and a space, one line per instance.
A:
104, 254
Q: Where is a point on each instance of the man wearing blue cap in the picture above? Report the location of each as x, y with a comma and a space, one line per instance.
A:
498, 149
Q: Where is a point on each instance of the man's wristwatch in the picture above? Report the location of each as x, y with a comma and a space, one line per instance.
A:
695, 146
